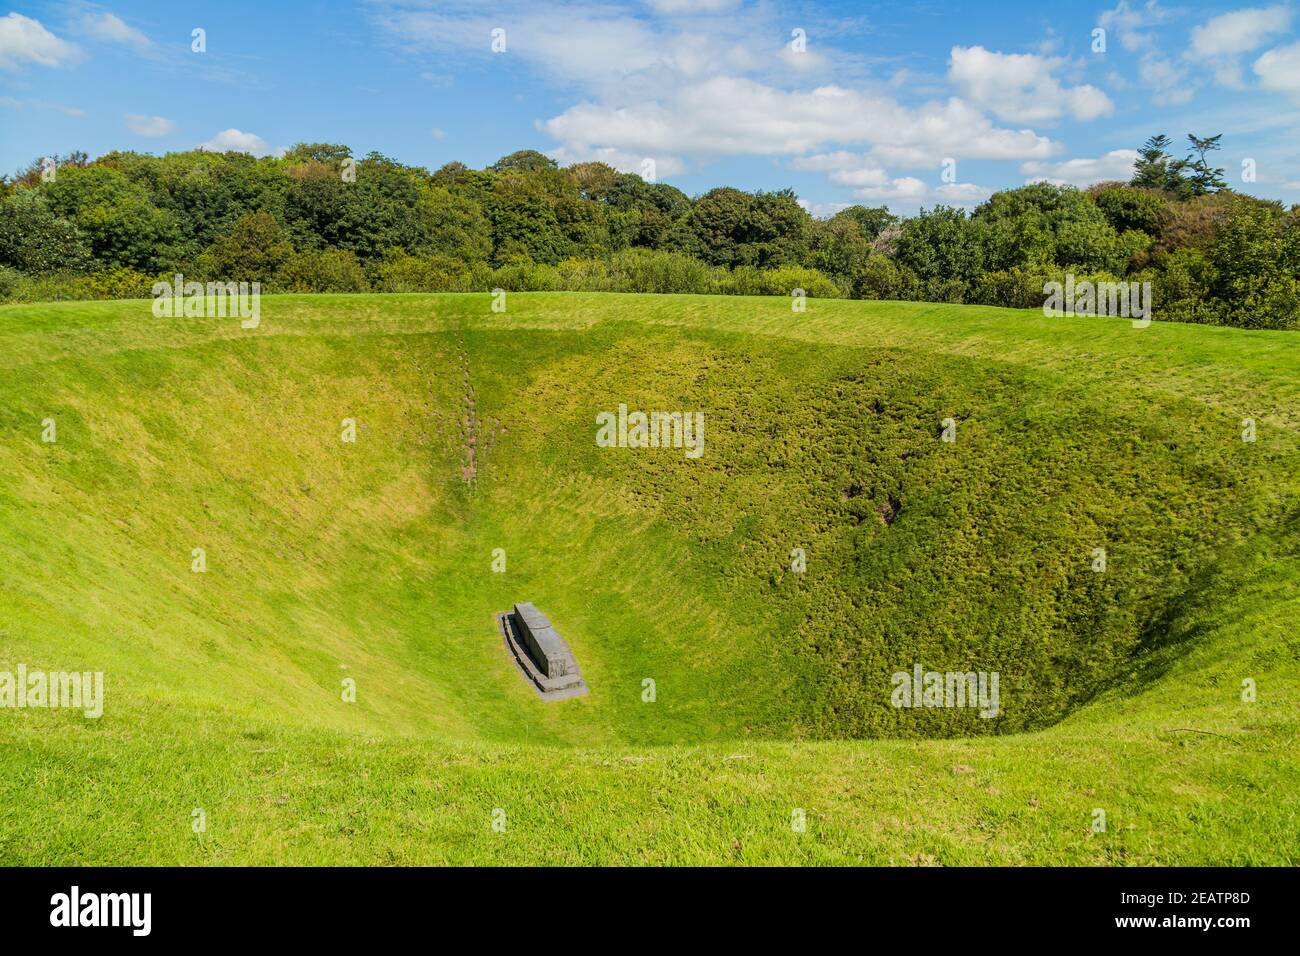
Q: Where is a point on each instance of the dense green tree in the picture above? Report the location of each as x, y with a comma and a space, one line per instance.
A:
124, 226
1046, 223
727, 227
328, 154
1129, 207
839, 249
871, 220
595, 180
457, 226
943, 244
524, 161
34, 240
374, 210
644, 214
525, 211
1257, 267
331, 270
254, 251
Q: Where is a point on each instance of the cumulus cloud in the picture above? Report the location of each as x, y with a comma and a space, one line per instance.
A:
730, 116
1022, 87
1241, 31
680, 88
149, 125
621, 160
825, 210
24, 40
1115, 165
910, 191
1219, 42
845, 169
1279, 70
234, 140
871, 181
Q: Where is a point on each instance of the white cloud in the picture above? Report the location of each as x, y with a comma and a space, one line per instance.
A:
729, 116
1132, 24
845, 169
871, 181
1241, 31
825, 210
1115, 165
1279, 70
910, 191
803, 61
111, 28
1022, 87
928, 134
1169, 84
621, 160
693, 6
600, 48
149, 125
234, 140
827, 162
24, 40
721, 82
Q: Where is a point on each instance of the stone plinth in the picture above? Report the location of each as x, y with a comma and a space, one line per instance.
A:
542, 655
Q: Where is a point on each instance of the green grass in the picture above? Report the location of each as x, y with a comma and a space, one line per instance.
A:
373, 561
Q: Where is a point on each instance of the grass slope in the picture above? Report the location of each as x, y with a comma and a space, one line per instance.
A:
372, 561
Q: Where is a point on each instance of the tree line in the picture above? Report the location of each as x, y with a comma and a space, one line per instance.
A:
318, 219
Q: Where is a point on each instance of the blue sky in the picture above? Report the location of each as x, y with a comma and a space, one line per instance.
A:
902, 104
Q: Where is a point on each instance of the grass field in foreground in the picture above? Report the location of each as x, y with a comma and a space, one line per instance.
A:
372, 561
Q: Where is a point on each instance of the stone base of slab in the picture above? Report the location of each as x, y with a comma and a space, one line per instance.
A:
570, 685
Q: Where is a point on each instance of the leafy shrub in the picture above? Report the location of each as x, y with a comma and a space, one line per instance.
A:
583, 275
743, 280
1020, 287
524, 275
10, 281
399, 272
334, 270
650, 270
784, 280
944, 290
56, 287
120, 283
882, 278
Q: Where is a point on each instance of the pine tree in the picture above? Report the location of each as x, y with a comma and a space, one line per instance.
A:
1203, 177
1155, 167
